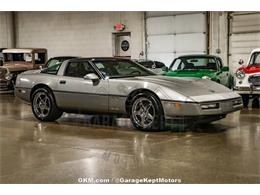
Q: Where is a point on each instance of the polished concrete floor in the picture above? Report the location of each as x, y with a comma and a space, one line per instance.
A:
228, 151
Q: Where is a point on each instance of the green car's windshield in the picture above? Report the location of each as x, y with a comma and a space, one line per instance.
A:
194, 63
121, 68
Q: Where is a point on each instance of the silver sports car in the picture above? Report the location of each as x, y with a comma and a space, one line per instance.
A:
121, 86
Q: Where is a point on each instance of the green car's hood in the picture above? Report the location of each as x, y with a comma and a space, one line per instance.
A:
191, 73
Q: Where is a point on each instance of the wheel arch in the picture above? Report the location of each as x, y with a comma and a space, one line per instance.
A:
134, 93
38, 86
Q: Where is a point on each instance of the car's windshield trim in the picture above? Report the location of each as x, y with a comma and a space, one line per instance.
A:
46, 69
127, 76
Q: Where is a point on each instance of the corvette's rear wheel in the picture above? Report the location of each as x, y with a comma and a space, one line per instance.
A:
146, 113
43, 105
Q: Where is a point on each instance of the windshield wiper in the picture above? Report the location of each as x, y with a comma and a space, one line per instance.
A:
127, 76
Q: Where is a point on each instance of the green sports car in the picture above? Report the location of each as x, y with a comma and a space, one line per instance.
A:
201, 66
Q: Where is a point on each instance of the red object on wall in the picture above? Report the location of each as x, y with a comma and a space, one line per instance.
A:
119, 27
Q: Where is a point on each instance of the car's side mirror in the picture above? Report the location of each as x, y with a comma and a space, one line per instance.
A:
1, 62
91, 76
165, 68
241, 62
225, 68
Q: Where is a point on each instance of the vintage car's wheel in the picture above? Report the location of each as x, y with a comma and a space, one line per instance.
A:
43, 105
245, 98
146, 113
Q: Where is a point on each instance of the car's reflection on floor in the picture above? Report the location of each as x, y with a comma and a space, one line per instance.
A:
226, 151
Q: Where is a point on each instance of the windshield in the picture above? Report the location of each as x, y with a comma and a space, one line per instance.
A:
21, 57
121, 68
255, 59
194, 63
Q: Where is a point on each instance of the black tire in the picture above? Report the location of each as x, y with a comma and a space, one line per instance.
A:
10, 86
50, 114
245, 98
255, 102
230, 82
155, 110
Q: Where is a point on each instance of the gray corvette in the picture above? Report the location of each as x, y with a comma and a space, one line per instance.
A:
121, 86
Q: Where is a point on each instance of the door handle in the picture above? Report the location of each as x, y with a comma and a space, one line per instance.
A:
62, 82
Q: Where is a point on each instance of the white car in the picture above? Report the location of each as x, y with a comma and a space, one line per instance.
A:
247, 80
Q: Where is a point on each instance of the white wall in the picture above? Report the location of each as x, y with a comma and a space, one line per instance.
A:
218, 35
244, 36
78, 33
175, 34
90, 33
6, 30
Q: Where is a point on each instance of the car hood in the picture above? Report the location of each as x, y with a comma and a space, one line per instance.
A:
194, 88
190, 73
36, 71
18, 66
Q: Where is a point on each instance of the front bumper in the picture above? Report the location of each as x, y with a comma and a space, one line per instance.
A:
247, 90
5, 85
189, 109
23, 93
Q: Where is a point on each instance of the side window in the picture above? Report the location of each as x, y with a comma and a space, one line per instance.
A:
27, 57
159, 64
220, 63
39, 58
176, 64
78, 69
257, 58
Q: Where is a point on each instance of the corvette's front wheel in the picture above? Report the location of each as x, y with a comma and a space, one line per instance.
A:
43, 105
146, 113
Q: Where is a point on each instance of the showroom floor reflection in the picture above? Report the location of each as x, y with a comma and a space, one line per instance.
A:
78, 146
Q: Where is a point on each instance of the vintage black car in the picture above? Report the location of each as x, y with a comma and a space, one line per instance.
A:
155, 66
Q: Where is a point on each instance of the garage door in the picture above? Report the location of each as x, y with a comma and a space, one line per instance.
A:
244, 36
171, 34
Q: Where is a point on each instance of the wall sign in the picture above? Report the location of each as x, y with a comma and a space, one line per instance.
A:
119, 27
125, 45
